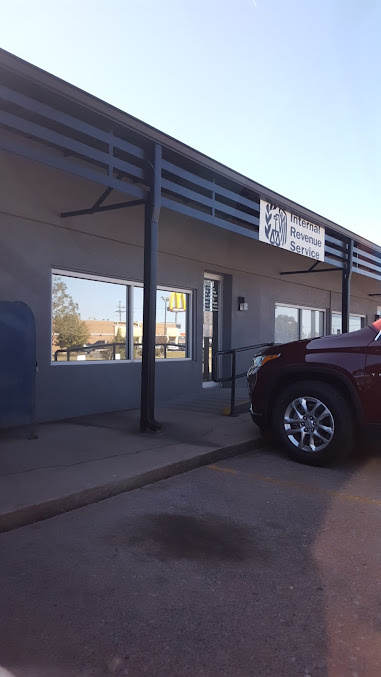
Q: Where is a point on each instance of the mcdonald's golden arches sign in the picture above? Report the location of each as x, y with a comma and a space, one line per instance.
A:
177, 302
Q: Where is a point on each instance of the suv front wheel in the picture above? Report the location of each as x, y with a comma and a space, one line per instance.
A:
314, 422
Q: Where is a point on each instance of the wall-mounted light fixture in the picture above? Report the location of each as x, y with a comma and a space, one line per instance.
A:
242, 305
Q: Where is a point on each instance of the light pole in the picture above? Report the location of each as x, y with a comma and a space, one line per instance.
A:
166, 300
119, 311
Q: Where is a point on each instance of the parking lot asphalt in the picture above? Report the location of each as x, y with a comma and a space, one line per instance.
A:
254, 566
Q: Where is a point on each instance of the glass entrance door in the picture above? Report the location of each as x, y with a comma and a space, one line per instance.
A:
211, 323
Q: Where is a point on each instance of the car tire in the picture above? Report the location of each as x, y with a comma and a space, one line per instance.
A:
314, 422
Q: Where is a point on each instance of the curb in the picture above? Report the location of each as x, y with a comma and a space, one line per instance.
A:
57, 506
240, 408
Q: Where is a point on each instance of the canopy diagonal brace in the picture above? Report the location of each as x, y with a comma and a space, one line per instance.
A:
103, 208
312, 269
98, 205
102, 198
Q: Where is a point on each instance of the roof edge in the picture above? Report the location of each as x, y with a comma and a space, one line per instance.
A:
90, 101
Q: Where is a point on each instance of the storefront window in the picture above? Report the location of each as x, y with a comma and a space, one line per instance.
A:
312, 323
286, 324
172, 323
92, 321
88, 319
292, 324
356, 322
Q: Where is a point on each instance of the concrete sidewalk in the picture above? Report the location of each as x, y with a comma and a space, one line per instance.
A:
81, 461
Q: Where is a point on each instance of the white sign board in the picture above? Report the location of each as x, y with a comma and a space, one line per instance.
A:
288, 231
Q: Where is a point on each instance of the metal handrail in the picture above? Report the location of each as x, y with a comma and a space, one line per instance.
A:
89, 348
233, 377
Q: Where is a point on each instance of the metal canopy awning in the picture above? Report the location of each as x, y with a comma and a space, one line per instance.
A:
49, 121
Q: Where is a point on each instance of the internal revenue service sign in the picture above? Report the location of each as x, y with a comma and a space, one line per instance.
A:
288, 231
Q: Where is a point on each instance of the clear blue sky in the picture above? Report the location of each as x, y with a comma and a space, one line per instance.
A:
287, 92
101, 301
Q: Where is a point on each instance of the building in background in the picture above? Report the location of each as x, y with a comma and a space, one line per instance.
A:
237, 264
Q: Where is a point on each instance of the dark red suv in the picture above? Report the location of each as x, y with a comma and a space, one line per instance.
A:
315, 393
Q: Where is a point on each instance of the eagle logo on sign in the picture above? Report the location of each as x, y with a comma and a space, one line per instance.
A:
276, 225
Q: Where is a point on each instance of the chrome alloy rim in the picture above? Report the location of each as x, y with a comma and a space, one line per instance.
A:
309, 424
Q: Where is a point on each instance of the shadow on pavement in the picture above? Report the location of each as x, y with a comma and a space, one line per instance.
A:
215, 572
367, 445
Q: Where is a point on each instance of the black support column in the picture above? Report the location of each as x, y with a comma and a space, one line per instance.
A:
346, 288
151, 227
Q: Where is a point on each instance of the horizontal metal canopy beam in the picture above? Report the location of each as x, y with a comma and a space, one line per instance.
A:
66, 165
211, 186
103, 208
61, 141
208, 218
69, 121
374, 294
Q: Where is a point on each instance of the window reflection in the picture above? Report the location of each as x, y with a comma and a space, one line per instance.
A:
286, 324
293, 324
88, 320
91, 320
172, 322
312, 323
356, 322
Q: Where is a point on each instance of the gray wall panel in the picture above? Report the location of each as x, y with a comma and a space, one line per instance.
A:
34, 239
